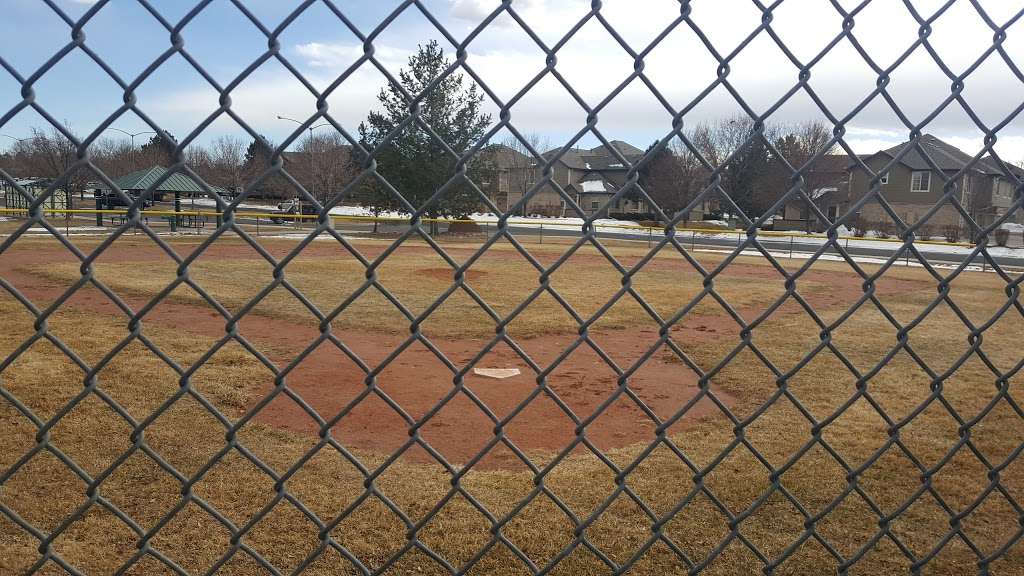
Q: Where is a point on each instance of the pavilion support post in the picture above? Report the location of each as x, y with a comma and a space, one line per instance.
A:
99, 206
177, 210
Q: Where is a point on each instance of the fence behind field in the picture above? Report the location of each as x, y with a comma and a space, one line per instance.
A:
34, 209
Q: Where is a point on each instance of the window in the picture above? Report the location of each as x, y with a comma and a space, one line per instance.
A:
595, 205
920, 181
884, 179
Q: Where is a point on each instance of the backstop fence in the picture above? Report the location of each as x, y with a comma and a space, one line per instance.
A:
890, 535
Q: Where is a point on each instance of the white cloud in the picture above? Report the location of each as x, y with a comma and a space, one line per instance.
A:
472, 10
340, 56
680, 67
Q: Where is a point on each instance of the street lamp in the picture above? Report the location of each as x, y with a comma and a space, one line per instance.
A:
15, 139
132, 136
312, 164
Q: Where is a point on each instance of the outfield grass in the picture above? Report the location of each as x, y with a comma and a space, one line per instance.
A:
43, 491
417, 277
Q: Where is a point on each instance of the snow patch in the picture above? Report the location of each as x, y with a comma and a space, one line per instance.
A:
211, 203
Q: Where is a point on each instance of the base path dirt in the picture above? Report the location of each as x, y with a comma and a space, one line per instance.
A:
419, 384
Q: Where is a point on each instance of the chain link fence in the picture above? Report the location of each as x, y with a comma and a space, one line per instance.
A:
690, 513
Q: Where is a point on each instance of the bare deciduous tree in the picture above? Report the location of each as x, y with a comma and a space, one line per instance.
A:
324, 166
521, 171
227, 158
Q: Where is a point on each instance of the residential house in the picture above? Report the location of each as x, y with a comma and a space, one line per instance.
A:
826, 183
912, 186
591, 177
508, 175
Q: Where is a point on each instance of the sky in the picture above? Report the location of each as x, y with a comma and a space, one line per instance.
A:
320, 47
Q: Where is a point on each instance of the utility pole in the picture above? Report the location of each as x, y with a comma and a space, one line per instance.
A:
312, 162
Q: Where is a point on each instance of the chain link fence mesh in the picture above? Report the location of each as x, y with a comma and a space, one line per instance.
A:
716, 536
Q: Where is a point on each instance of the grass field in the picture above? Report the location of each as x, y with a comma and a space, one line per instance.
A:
187, 437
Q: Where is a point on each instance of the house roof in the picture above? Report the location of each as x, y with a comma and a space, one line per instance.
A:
598, 157
831, 163
944, 155
177, 182
25, 182
503, 153
624, 148
606, 162
1014, 169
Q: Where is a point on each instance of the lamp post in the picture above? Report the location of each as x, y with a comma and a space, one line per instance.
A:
132, 136
312, 163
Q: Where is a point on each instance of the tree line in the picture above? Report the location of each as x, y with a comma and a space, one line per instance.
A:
320, 162
418, 144
753, 174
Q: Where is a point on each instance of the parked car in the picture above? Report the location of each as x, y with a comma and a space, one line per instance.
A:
292, 207
111, 201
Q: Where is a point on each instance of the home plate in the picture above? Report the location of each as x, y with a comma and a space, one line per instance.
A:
499, 373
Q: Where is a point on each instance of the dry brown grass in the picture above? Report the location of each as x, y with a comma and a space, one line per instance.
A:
418, 277
43, 491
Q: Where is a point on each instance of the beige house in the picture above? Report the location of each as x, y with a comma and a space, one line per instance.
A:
591, 177
912, 186
827, 185
594, 176
509, 175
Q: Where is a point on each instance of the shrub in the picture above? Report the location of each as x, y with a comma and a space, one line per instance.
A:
546, 210
951, 232
859, 226
885, 228
1002, 236
634, 216
926, 231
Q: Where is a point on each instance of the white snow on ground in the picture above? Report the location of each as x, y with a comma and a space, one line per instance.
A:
365, 212
858, 259
712, 224
73, 229
607, 227
846, 242
554, 222
560, 223
211, 203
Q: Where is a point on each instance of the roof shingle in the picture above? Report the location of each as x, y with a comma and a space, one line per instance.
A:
177, 182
